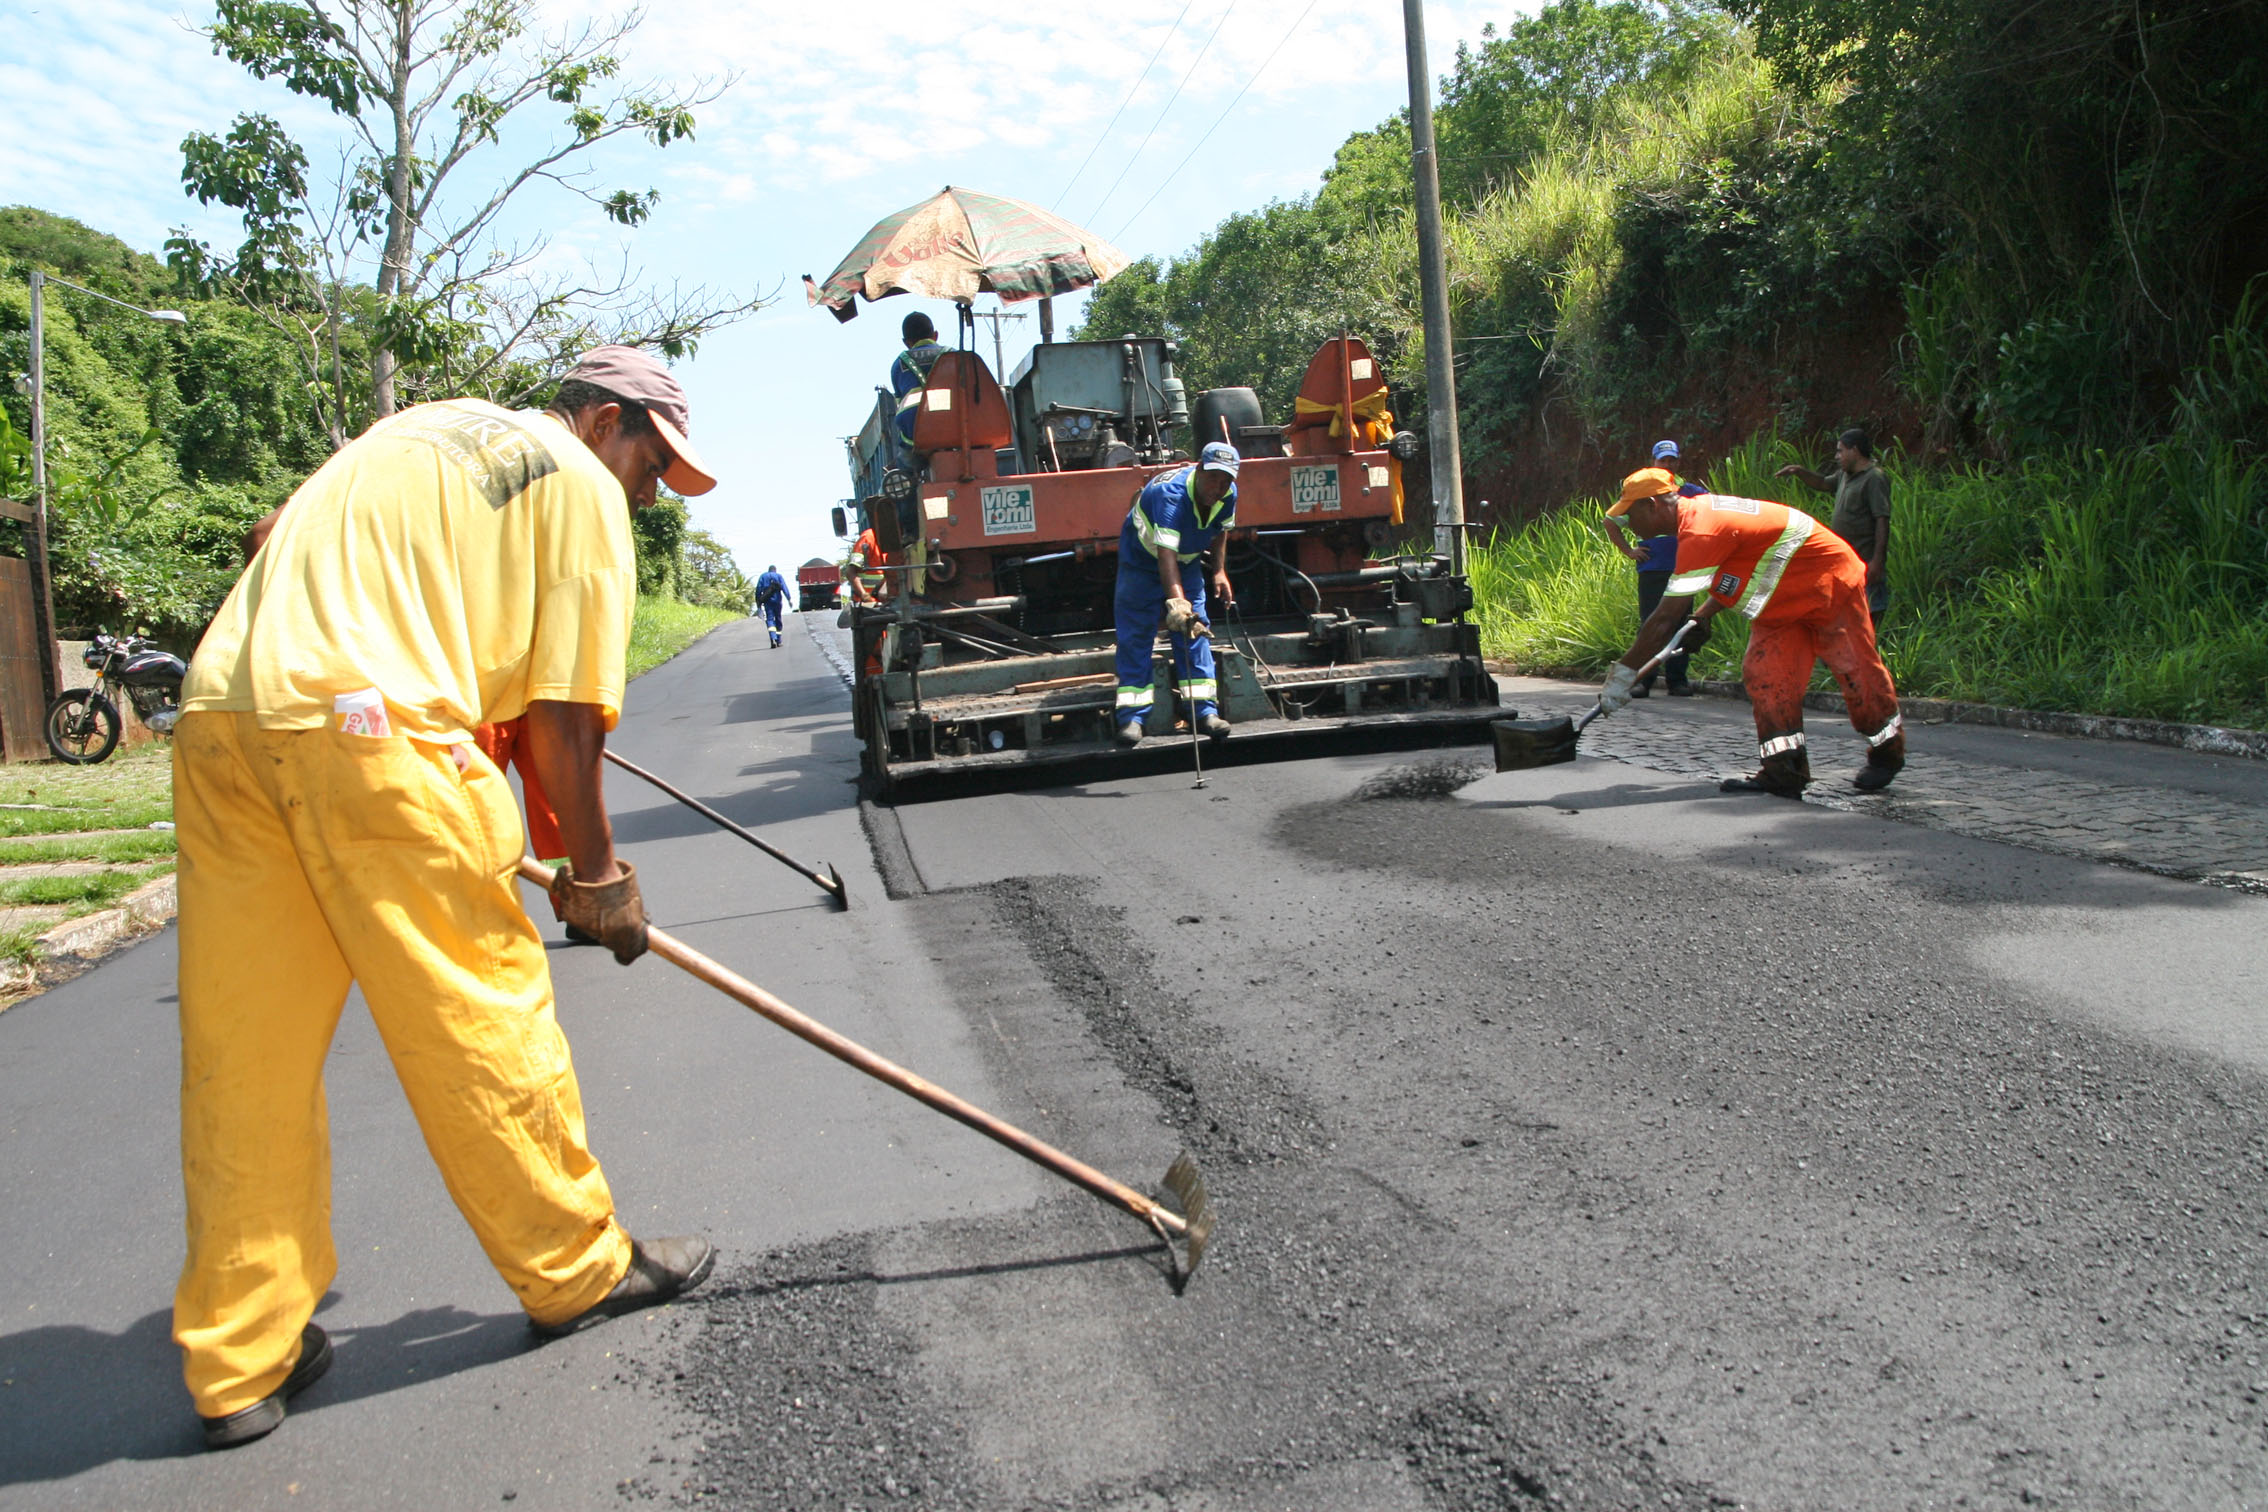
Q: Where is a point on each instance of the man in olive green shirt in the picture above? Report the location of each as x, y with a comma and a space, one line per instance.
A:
1862, 510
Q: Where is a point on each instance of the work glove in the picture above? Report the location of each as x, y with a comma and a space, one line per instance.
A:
610, 912
1181, 619
1616, 694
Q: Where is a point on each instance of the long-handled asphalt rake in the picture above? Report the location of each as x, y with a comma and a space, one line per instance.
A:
831, 883
1191, 1225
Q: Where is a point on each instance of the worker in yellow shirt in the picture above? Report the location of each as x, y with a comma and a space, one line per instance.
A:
457, 565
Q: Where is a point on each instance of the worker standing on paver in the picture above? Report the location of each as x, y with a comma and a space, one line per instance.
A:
864, 568
1161, 576
771, 597
458, 565
1804, 589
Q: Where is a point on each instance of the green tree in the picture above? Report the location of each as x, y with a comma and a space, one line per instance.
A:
710, 576
391, 275
2083, 178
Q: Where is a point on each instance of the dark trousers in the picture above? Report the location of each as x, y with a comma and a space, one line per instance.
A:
1650, 588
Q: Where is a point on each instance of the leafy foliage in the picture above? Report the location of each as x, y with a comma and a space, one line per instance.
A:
388, 275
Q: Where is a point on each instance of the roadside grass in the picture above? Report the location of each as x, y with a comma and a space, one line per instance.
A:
663, 627
2131, 583
130, 791
118, 850
94, 889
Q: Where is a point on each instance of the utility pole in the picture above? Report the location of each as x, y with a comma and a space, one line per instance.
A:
999, 371
43, 597
1447, 464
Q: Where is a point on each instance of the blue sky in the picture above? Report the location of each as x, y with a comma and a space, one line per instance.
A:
835, 119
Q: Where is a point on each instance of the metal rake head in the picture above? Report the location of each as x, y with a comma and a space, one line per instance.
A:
1187, 1189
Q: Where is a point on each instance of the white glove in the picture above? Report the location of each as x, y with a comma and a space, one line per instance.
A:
1616, 694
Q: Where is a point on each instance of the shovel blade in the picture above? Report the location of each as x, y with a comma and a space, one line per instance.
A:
1188, 1191
1522, 744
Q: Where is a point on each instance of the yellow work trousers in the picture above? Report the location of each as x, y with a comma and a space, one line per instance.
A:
310, 860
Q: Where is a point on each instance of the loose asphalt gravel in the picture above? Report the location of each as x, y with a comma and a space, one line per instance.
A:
1579, 1138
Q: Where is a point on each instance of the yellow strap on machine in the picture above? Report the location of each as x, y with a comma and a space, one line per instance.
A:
1370, 411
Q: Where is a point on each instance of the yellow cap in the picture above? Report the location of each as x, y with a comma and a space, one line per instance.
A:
1645, 483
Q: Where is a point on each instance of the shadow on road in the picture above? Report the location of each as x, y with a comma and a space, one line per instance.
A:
799, 788
784, 700
76, 1398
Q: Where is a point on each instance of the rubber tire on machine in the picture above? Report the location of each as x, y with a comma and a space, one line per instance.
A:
101, 716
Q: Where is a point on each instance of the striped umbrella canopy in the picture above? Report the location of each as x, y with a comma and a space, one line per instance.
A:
960, 243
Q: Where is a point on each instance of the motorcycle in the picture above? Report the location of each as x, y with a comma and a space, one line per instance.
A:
83, 724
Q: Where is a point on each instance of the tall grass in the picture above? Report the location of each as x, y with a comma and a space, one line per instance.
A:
662, 627
2132, 583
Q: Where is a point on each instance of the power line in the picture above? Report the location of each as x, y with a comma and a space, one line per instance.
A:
1139, 80
1162, 113
1224, 115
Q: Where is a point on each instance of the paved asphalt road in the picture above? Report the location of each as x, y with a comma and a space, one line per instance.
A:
1580, 1137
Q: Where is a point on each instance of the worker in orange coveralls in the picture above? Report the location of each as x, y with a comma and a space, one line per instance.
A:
1804, 589
506, 744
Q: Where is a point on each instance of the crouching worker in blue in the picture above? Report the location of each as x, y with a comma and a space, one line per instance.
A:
1161, 576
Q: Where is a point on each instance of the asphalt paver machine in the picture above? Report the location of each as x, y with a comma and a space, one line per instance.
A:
988, 663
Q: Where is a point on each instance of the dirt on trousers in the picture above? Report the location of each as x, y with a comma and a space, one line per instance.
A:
1778, 1211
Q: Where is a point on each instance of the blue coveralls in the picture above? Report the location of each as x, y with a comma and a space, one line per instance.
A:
771, 593
909, 371
1165, 516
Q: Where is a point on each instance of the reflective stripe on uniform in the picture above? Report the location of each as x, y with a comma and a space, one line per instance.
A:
1780, 745
1136, 699
1696, 581
1773, 565
1888, 732
1153, 536
1201, 690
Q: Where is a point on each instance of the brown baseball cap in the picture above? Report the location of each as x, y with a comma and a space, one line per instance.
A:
630, 374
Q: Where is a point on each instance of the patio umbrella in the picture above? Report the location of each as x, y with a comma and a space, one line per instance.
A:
960, 243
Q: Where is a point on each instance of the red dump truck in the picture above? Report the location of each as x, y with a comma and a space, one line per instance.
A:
816, 583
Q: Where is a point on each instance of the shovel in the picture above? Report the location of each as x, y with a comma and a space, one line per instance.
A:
1192, 1225
831, 882
1525, 743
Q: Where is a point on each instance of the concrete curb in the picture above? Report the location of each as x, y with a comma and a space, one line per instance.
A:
2210, 740
75, 944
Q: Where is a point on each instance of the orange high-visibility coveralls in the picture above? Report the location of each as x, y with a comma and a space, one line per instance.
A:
506, 744
339, 827
1806, 592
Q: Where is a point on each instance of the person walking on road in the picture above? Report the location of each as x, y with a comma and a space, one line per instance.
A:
1862, 510
457, 565
1161, 576
1805, 591
1655, 558
771, 597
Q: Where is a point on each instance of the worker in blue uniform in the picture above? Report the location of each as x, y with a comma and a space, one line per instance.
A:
771, 597
1162, 577
909, 371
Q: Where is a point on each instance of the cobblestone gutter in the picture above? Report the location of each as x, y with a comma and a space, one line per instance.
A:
2146, 824
2212, 740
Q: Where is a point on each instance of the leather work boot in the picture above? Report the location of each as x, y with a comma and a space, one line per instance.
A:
260, 1419
1130, 734
1782, 776
1215, 727
1884, 762
659, 1270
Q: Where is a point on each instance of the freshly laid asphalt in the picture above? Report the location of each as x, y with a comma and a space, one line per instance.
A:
1579, 1137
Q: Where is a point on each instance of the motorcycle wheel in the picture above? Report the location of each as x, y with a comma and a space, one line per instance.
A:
82, 727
